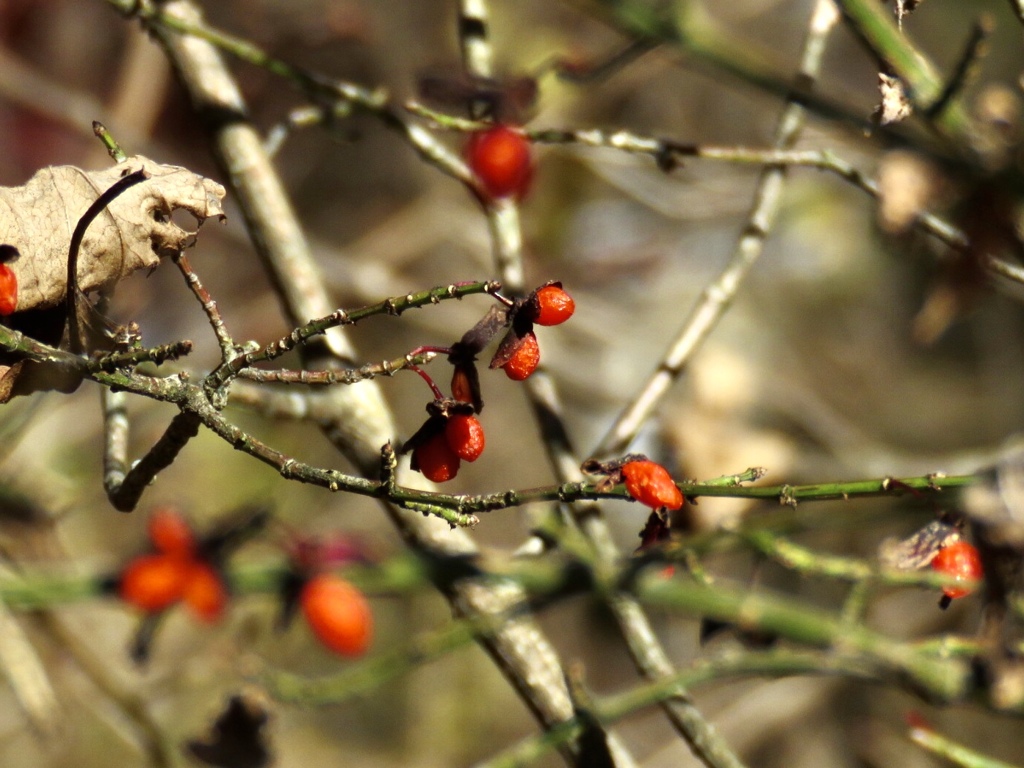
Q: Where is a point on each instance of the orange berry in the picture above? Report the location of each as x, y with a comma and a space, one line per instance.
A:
500, 159
651, 484
171, 533
525, 358
338, 614
553, 305
962, 561
465, 436
435, 459
153, 582
204, 591
8, 290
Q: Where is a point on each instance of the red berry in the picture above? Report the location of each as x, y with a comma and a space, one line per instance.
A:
465, 436
553, 305
961, 561
204, 591
153, 582
435, 459
8, 290
525, 358
171, 533
500, 159
338, 614
651, 484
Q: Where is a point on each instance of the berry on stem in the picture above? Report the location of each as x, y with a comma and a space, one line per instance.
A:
551, 305
338, 614
465, 436
153, 583
651, 484
961, 561
500, 159
435, 459
524, 358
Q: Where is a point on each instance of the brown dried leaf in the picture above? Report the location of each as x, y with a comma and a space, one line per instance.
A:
895, 106
133, 233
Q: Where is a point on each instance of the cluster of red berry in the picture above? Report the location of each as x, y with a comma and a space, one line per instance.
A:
181, 567
452, 432
177, 570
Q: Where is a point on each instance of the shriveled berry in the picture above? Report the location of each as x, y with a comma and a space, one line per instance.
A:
500, 159
524, 359
8, 290
466, 385
961, 561
338, 614
171, 533
465, 436
204, 591
153, 582
461, 388
435, 459
651, 484
553, 305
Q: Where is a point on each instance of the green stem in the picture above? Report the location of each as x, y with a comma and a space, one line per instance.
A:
873, 23
954, 752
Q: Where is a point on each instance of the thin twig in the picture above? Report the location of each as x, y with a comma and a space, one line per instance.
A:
115, 444
131, 357
348, 376
73, 294
227, 344
718, 296
126, 494
974, 49
393, 307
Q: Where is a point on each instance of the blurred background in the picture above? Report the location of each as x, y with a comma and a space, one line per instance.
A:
814, 373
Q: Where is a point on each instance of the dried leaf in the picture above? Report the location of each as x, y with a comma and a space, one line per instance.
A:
133, 233
920, 548
895, 105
